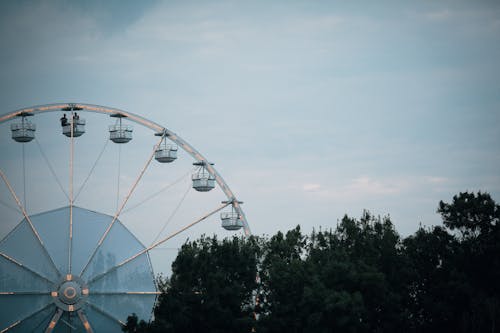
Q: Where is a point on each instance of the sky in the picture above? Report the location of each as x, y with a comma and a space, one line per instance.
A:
309, 109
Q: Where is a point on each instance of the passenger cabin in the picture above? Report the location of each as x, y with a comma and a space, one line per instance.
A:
78, 127
23, 130
203, 180
166, 153
231, 220
74, 124
119, 133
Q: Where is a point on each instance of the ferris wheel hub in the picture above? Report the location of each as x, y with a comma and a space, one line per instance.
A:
69, 295
70, 292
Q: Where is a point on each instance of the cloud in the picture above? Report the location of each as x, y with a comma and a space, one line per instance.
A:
302, 109
365, 185
311, 187
439, 15
436, 180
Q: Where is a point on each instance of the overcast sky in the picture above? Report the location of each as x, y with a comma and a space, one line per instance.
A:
310, 109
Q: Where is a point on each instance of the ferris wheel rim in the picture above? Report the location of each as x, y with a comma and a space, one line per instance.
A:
143, 121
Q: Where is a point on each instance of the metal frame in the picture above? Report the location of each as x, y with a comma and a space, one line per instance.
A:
56, 287
158, 130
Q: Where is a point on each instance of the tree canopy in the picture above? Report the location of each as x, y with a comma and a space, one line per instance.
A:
360, 276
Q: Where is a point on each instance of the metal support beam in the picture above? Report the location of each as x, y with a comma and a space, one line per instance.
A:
25, 214
85, 321
54, 320
117, 214
158, 243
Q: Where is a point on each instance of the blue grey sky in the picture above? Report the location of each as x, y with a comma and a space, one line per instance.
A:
310, 109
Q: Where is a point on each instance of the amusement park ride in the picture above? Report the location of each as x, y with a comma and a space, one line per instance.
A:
71, 269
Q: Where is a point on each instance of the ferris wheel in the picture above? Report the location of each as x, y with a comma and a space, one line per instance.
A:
69, 266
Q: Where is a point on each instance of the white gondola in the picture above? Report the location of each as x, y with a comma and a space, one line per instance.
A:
231, 221
78, 127
203, 181
166, 153
23, 131
120, 133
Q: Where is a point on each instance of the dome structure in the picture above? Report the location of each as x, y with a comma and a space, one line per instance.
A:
36, 288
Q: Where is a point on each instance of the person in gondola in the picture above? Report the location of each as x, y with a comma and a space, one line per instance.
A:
64, 120
76, 116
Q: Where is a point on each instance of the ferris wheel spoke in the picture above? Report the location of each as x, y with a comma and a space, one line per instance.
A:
21, 293
71, 194
160, 191
118, 175
28, 219
51, 169
125, 293
117, 214
204, 217
17, 323
85, 321
24, 176
91, 171
176, 209
12, 260
54, 320
158, 243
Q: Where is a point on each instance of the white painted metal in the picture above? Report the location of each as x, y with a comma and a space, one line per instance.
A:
203, 180
166, 153
231, 220
23, 131
120, 133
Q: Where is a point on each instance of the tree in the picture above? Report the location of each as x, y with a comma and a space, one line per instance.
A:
359, 277
344, 280
282, 276
436, 294
473, 215
133, 325
211, 288
373, 249
477, 218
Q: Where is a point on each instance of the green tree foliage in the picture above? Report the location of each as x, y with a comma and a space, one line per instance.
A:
359, 277
133, 325
477, 257
344, 280
434, 294
283, 277
454, 281
211, 288
473, 215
